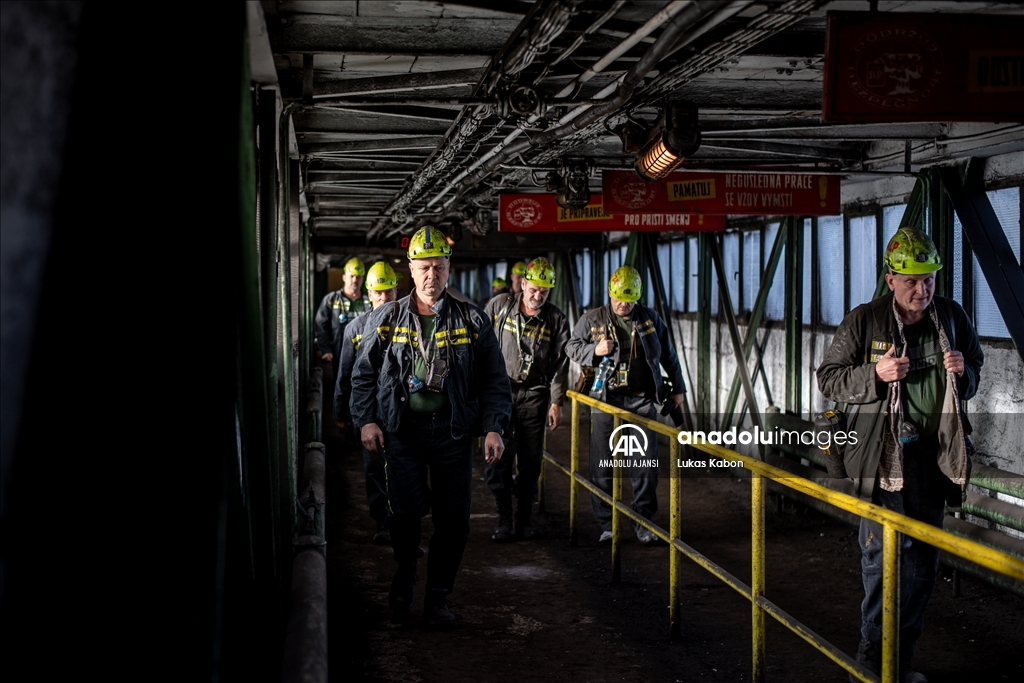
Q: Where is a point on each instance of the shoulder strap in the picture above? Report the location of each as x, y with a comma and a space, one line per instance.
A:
499, 322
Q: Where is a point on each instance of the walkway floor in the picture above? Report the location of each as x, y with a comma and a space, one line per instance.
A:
541, 610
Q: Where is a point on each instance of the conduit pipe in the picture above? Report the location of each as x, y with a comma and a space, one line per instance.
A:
305, 650
666, 14
587, 114
647, 29
654, 54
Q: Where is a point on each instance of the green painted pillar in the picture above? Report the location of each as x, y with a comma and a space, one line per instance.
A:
704, 329
794, 272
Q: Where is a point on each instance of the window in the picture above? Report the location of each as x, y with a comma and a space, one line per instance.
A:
892, 216
863, 260
775, 305
987, 317
676, 277
751, 268
830, 257
584, 266
731, 264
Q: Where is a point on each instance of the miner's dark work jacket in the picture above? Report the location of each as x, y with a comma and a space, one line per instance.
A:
477, 387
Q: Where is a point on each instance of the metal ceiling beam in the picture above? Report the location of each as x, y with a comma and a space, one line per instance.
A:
393, 109
393, 35
855, 131
786, 149
424, 142
343, 121
414, 82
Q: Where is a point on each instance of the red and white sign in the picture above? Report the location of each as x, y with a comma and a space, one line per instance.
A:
717, 193
540, 213
901, 66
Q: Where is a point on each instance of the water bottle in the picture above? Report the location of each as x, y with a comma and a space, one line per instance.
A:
601, 377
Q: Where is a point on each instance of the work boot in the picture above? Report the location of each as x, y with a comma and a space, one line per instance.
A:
869, 655
524, 529
503, 529
437, 611
403, 587
908, 675
383, 535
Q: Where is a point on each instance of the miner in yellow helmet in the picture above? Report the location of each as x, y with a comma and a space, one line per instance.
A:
907, 360
627, 343
381, 284
516, 277
532, 333
337, 309
427, 379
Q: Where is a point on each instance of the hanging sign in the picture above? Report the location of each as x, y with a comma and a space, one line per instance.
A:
540, 213
901, 66
740, 194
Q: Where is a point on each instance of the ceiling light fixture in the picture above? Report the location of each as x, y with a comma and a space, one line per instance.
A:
571, 183
675, 136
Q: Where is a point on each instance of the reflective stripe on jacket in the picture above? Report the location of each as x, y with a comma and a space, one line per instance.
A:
546, 338
597, 325
477, 387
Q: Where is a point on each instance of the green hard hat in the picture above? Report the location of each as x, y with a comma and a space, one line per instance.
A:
381, 277
428, 242
911, 252
625, 284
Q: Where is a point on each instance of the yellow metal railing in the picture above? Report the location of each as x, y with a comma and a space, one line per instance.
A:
893, 524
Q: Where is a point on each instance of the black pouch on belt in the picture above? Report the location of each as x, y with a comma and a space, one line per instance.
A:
827, 425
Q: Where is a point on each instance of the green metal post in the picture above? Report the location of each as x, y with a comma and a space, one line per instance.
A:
725, 305
703, 389
794, 311
756, 315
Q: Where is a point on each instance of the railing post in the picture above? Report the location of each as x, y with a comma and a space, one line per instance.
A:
616, 515
675, 530
757, 574
574, 468
890, 602
540, 477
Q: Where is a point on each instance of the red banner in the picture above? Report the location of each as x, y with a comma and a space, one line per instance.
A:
740, 194
540, 213
900, 66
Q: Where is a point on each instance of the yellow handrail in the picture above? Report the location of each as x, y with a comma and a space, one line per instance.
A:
892, 523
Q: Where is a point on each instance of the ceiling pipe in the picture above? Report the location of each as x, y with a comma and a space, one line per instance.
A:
588, 114
668, 13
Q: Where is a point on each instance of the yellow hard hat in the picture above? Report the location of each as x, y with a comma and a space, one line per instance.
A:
354, 267
911, 252
428, 242
625, 284
540, 273
519, 268
498, 282
381, 278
